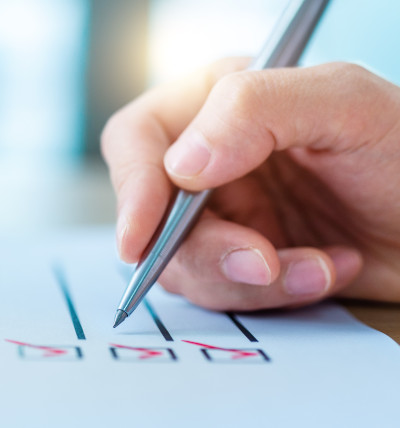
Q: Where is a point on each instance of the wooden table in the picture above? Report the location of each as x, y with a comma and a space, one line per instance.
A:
384, 317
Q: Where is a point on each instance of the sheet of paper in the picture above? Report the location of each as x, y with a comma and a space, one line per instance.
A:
172, 364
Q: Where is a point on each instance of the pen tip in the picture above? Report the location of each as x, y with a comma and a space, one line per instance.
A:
120, 317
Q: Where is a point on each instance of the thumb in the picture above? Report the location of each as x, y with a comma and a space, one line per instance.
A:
247, 115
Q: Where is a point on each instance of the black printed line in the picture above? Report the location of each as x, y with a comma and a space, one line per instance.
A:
205, 353
114, 353
78, 352
172, 354
241, 327
264, 355
157, 320
60, 277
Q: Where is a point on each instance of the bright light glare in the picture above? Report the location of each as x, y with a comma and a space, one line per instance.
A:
24, 24
186, 34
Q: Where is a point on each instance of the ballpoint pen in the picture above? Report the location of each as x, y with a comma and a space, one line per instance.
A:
282, 49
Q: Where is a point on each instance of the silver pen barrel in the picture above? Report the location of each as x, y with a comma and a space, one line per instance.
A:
283, 49
290, 35
185, 210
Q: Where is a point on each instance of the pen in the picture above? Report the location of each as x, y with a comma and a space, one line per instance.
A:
282, 49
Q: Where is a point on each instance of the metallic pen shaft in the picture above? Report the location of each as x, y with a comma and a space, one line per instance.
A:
167, 239
282, 49
290, 35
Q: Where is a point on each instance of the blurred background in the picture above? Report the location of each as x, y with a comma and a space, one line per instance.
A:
67, 65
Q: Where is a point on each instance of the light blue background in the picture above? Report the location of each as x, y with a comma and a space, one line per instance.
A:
366, 32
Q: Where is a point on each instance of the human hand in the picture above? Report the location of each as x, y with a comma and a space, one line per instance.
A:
307, 170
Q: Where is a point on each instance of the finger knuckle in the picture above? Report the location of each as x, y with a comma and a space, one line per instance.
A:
361, 82
220, 68
236, 91
345, 75
348, 70
360, 94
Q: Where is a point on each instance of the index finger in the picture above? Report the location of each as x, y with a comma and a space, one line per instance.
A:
134, 142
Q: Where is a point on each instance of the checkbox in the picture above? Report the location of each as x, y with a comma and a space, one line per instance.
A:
236, 356
142, 354
49, 353
217, 354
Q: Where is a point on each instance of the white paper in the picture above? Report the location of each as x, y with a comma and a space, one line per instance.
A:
315, 367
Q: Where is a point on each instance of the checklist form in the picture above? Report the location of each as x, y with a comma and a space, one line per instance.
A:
172, 364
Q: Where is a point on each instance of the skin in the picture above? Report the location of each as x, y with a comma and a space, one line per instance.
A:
306, 166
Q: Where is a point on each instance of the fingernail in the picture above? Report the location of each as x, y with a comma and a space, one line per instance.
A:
246, 265
188, 156
308, 276
122, 231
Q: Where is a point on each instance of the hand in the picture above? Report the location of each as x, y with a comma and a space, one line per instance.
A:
306, 163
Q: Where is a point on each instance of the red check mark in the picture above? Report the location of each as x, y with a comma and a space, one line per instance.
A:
145, 353
236, 354
49, 351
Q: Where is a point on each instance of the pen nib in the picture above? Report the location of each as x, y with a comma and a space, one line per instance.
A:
120, 317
